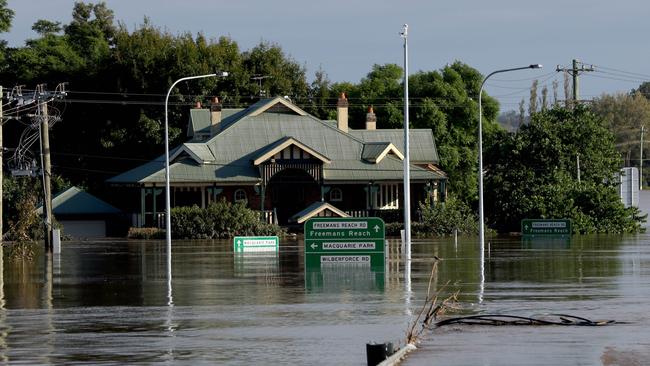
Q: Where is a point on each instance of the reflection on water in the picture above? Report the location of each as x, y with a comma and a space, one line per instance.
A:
107, 302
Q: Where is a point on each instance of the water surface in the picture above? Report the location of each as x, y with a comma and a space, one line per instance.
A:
110, 302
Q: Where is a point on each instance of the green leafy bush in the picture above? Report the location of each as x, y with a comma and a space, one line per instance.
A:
146, 233
442, 218
219, 220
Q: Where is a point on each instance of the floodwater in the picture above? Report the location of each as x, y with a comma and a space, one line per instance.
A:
112, 303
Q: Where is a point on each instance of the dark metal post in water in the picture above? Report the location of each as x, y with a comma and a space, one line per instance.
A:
376, 353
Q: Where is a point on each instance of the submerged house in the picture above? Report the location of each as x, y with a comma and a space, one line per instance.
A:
280, 160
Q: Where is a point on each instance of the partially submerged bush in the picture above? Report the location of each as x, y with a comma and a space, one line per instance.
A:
219, 220
442, 218
146, 233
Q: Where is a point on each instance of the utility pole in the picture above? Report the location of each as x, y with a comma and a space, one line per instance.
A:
576, 69
578, 163
641, 160
47, 170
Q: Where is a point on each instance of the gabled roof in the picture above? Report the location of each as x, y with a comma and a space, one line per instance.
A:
374, 152
317, 209
199, 152
421, 143
282, 144
74, 201
277, 103
253, 135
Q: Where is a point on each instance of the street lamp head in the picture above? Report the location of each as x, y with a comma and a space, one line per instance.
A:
222, 73
535, 66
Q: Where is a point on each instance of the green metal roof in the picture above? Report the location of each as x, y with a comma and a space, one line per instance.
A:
74, 201
247, 134
421, 143
372, 150
202, 151
199, 121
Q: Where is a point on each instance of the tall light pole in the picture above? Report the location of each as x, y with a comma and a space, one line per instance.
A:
407, 157
168, 220
480, 154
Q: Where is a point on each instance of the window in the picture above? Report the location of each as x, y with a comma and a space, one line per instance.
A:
336, 195
385, 197
240, 195
388, 196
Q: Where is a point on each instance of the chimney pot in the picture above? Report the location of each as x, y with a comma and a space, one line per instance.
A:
371, 119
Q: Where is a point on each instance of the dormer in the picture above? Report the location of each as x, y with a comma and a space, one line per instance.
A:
375, 152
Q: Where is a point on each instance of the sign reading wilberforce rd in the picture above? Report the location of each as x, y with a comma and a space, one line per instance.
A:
545, 227
348, 240
245, 244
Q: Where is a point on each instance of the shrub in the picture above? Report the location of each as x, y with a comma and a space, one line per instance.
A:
146, 233
442, 218
219, 220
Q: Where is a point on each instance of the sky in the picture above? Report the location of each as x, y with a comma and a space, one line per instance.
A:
346, 37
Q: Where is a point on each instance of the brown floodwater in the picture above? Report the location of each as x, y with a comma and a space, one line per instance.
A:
111, 302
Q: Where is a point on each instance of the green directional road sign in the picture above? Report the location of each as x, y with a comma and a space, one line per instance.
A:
546, 227
344, 240
245, 244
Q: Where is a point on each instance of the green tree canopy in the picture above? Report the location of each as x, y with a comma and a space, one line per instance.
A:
6, 17
533, 174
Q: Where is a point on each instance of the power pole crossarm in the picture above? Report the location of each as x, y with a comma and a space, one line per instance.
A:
576, 69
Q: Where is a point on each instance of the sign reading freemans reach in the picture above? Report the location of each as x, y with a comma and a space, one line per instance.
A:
348, 240
546, 227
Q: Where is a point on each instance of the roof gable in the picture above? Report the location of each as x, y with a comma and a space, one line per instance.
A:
276, 105
280, 145
198, 152
317, 209
375, 152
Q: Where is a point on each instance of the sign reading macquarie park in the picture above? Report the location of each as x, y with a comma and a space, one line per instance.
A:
344, 240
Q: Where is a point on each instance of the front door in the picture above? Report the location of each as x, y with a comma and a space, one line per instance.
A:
291, 191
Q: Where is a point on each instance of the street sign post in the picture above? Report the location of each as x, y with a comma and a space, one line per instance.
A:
546, 227
344, 240
246, 244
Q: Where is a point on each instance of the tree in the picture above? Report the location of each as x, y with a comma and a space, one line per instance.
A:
44, 27
624, 115
532, 174
6, 17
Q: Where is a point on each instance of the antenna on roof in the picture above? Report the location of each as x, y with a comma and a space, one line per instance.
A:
259, 79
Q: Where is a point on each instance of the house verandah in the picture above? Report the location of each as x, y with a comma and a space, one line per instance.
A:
285, 198
279, 160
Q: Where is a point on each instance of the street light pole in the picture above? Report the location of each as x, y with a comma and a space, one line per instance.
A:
407, 172
480, 154
168, 226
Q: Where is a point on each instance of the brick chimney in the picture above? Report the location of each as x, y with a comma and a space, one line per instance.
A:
215, 116
371, 119
342, 113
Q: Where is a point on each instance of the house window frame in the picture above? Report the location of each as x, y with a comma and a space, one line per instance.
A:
336, 195
240, 199
387, 197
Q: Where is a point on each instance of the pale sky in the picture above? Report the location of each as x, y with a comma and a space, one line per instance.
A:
346, 38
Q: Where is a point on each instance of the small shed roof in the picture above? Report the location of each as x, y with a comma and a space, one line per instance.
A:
74, 201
